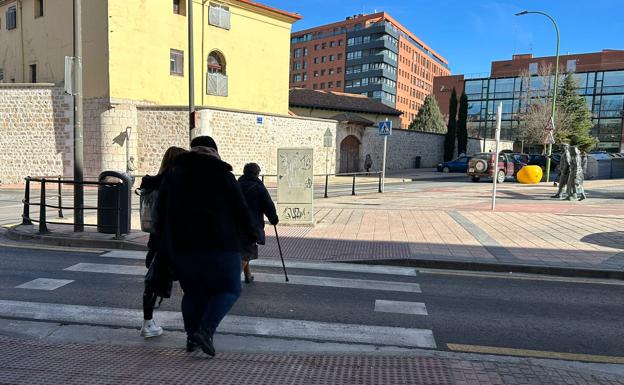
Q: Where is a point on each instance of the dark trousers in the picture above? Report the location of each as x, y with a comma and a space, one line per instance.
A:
211, 285
149, 302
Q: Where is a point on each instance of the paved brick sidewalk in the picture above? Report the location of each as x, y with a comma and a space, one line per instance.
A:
446, 223
25, 361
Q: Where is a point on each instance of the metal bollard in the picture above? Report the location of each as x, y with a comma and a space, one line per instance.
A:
60, 199
353, 186
26, 213
326, 183
43, 228
380, 183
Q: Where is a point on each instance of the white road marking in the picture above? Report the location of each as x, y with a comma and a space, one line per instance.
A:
274, 327
339, 282
327, 266
44, 284
417, 308
108, 269
267, 278
334, 266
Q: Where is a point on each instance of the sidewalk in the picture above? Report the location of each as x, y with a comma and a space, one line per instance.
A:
29, 361
441, 225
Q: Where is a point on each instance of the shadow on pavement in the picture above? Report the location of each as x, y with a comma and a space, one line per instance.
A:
613, 239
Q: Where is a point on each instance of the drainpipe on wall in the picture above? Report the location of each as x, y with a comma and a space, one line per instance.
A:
21, 27
203, 87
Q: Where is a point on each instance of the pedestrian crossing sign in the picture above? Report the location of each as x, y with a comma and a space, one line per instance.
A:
385, 128
550, 126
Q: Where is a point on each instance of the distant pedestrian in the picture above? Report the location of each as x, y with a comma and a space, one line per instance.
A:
156, 288
260, 204
205, 221
368, 163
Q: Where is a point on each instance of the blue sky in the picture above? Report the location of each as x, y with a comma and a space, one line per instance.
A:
472, 33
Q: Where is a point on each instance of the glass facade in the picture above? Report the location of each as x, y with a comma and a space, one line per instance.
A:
371, 65
603, 91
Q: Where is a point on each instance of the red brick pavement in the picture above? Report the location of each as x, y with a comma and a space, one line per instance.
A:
40, 362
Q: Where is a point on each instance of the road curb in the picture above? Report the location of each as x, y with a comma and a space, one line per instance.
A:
496, 267
55, 240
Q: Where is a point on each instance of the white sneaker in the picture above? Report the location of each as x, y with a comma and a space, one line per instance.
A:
150, 329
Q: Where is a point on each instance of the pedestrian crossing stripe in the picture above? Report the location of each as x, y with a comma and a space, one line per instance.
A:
347, 283
231, 324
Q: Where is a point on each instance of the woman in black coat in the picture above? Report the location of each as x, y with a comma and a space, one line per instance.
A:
149, 184
260, 204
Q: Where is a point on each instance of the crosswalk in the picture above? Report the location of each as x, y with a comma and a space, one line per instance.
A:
376, 279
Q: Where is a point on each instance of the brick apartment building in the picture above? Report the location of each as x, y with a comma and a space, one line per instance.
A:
372, 55
600, 78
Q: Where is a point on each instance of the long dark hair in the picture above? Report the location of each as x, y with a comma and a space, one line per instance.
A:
167, 160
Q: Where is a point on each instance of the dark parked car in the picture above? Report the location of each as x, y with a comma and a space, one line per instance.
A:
456, 165
540, 160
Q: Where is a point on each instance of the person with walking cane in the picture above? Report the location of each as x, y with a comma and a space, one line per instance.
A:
260, 204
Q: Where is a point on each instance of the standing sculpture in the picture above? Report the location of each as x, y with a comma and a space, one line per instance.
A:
575, 190
564, 171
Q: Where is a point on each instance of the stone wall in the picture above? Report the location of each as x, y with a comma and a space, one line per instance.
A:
404, 146
36, 136
241, 136
36, 132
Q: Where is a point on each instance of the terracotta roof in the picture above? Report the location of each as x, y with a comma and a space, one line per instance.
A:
295, 16
338, 101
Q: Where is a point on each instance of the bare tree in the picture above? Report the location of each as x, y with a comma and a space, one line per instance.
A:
536, 106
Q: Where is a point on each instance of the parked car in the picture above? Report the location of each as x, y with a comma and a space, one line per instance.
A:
540, 160
459, 164
482, 165
520, 160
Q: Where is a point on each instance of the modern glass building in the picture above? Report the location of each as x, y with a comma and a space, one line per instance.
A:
599, 81
372, 55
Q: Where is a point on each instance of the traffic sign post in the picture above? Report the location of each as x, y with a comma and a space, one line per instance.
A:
549, 139
385, 130
499, 113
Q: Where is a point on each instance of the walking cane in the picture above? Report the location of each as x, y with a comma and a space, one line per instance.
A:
279, 246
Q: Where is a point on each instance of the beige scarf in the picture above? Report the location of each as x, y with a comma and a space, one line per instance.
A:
207, 151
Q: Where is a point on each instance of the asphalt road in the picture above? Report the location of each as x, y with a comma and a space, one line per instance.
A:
468, 308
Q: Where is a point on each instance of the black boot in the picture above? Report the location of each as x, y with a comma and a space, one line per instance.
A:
204, 340
191, 344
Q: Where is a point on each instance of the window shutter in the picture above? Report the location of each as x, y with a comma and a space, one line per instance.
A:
224, 21
223, 85
217, 84
213, 15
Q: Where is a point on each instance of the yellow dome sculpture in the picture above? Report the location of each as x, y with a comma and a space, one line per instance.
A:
529, 175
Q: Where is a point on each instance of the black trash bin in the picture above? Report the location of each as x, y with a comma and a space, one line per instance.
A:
111, 197
417, 162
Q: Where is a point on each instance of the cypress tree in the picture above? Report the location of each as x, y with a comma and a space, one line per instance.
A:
462, 129
451, 133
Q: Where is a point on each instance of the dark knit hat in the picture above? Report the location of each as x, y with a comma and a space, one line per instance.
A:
204, 141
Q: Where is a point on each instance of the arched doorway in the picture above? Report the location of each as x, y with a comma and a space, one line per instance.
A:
350, 154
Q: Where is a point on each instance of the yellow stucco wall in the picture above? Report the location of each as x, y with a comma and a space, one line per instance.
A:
45, 41
256, 50
326, 114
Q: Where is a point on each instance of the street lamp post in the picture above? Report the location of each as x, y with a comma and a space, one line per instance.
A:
554, 100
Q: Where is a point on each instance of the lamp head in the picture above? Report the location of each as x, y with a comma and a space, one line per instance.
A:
522, 13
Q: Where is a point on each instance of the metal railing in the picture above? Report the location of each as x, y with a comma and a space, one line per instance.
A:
326, 185
43, 204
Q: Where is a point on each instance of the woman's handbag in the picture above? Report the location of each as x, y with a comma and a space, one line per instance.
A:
159, 277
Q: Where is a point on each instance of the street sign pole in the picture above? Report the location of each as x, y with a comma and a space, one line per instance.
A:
78, 131
499, 113
386, 125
